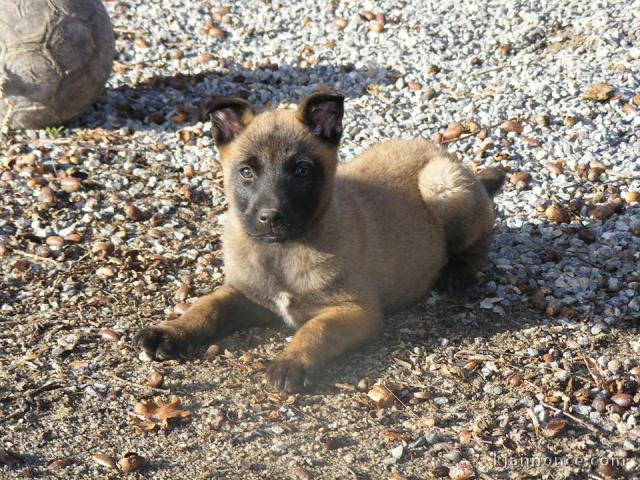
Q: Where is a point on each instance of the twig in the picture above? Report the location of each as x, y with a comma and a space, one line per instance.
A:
411, 412
597, 376
80, 144
34, 257
624, 175
11, 416
30, 396
502, 67
125, 30
47, 387
534, 420
297, 409
572, 417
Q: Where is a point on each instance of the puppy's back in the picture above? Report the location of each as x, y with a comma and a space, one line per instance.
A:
397, 242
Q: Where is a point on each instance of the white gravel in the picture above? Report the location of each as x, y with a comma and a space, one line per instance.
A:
558, 50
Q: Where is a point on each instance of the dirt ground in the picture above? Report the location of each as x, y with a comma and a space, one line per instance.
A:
462, 388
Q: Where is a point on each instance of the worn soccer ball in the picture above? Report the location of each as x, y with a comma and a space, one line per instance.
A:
55, 58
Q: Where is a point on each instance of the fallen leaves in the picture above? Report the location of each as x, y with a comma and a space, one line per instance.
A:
511, 126
105, 460
381, 396
149, 414
130, 462
554, 427
392, 435
453, 131
600, 92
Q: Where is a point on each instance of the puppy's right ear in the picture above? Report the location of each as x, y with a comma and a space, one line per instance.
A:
229, 118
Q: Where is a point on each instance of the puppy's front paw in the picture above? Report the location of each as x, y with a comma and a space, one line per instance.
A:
162, 342
290, 374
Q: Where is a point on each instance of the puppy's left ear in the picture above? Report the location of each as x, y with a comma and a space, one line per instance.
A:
229, 118
322, 112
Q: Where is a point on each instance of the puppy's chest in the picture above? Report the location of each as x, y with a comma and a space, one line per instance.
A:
282, 302
291, 286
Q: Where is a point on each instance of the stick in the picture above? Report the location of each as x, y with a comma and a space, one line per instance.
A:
33, 257
502, 67
47, 387
596, 378
534, 420
11, 416
30, 395
411, 412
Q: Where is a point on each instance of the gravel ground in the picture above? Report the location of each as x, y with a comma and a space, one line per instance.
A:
114, 223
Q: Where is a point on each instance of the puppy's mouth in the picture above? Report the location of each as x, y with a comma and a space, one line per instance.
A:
271, 238
275, 237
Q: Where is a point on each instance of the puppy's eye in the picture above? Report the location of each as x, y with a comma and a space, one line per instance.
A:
302, 170
246, 172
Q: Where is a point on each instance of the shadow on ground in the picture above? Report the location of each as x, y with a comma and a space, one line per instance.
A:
170, 103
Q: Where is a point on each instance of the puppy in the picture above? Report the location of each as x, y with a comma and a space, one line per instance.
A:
329, 249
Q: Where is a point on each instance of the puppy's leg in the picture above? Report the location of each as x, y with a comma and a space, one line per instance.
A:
464, 204
334, 331
460, 273
221, 312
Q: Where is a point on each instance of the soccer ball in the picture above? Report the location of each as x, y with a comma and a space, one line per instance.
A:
55, 58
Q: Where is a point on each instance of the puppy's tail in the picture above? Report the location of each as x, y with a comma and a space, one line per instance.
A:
460, 199
492, 179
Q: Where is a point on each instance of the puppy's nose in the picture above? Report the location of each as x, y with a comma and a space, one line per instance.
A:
269, 215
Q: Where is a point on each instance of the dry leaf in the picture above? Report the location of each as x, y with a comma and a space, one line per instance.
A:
554, 427
142, 424
131, 462
511, 126
381, 396
453, 131
105, 460
395, 435
396, 476
600, 92
156, 412
59, 463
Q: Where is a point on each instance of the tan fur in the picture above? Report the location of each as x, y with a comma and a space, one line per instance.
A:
384, 231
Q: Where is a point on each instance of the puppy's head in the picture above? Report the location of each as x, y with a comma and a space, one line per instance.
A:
278, 165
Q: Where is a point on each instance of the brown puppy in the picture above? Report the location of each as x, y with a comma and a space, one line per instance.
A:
329, 248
